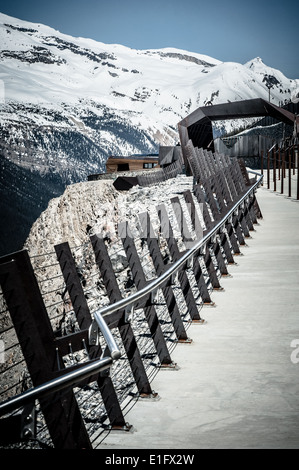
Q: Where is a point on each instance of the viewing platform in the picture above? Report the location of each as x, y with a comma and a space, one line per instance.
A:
237, 385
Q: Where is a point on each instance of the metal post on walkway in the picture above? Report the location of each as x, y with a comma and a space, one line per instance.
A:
290, 172
274, 170
284, 164
268, 169
282, 171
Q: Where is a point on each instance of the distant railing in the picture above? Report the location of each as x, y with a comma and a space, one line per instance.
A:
65, 315
160, 175
282, 170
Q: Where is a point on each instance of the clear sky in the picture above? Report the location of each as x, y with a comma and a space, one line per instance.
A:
232, 30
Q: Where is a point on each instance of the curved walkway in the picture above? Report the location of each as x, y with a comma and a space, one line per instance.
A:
238, 382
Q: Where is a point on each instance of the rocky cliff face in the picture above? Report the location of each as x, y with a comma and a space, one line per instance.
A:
71, 216
96, 207
88, 208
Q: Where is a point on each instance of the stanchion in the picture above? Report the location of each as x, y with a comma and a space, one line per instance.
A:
290, 172
268, 169
282, 172
274, 170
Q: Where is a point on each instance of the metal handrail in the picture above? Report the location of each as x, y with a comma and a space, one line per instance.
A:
111, 343
156, 283
75, 376
69, 378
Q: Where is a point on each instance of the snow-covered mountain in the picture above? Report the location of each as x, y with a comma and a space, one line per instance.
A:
68, 103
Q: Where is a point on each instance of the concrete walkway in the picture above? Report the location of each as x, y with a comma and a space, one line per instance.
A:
238, 382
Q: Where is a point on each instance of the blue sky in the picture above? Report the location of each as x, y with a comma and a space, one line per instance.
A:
231, 30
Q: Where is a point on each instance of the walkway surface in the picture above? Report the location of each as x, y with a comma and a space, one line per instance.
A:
238, 382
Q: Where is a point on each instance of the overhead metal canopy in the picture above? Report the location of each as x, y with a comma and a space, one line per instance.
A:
198, 125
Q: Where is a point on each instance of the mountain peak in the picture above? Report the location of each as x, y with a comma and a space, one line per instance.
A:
256, 62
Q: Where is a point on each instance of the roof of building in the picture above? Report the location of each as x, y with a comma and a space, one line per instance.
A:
134, 157
197, 126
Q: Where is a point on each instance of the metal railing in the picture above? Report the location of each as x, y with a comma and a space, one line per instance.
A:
155, 284
70, 378
102, 364
101, 321
281, 168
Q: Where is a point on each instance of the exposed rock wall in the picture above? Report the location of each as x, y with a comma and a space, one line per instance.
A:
96, 207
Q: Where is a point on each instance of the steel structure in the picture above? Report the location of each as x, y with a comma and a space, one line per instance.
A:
197, 126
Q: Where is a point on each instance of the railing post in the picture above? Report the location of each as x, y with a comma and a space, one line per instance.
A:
224, 238
217, 214
76, 293
282, 172
290, 172
250, 213
268, 169
109, 279
279, 164
36, 337
140, 282
240, 222
167, 232
196, 267
186, 236
274, 168
148, 235
284, 163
